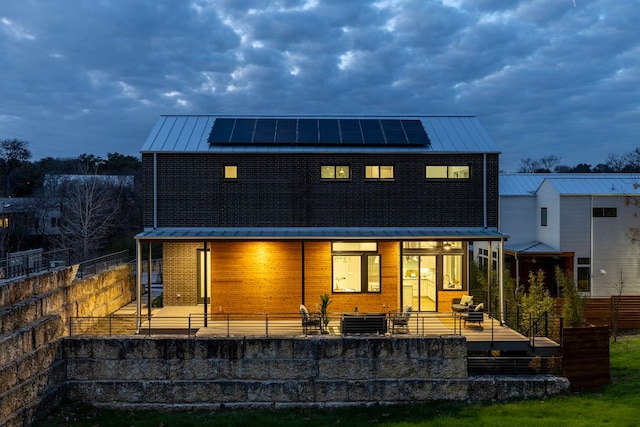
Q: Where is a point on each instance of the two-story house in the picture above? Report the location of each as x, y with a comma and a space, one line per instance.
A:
578, 222
260, 214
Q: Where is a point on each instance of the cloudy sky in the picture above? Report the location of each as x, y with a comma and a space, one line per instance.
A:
543, 76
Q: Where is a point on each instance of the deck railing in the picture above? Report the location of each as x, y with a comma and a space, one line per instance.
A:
233, 324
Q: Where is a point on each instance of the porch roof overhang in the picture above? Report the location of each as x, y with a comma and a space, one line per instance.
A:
321, 233
531, 248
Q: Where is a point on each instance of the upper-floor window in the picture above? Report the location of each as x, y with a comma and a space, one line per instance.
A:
230, 172
605, 212
448, 172
543, 217
378, 172
334, 172
4, 222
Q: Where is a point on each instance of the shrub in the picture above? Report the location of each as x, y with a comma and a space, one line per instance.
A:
573, 304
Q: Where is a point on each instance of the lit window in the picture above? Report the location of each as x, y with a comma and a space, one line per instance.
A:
356, 267
231, 172
447, 172
334, 172
4, 222
378, 172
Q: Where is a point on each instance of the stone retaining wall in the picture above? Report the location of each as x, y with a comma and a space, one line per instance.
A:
34, 315
189, 373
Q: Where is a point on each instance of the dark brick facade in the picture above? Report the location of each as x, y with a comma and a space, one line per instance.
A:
285, 190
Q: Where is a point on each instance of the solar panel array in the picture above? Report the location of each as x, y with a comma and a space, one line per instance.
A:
285, 131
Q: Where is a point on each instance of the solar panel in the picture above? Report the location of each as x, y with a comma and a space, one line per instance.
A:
265, 131
243, 130
221, 131
309, 131
328, 131
372, 132
286, 131
351, 133
415, 132
393, 131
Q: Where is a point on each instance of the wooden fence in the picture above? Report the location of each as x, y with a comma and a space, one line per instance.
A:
603, 311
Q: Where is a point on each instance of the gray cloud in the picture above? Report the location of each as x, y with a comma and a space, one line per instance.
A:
542, 76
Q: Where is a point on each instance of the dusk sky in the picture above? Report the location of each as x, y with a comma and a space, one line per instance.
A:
543, 76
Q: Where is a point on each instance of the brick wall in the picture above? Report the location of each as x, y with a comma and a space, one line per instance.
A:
285, 190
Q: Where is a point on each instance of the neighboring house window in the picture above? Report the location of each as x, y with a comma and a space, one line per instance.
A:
231, 172
334, 172
584, 275
356, 267
4, 222
605, 212
543, 217
378, 172
584, 279
55, 222
447, 172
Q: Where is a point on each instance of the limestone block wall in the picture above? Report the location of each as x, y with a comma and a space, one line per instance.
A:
34, 315
188, 373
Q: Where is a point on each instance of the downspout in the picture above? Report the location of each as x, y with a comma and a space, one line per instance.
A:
501, 278
149, 256
302, 249
484, 190
591, 275
204, 279
155, 190
138, 285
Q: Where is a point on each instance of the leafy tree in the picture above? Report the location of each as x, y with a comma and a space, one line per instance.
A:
13, 153
537, 301
574, 303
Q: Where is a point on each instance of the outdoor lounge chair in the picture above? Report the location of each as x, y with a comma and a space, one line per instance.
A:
400, 320
310, 321
474, 315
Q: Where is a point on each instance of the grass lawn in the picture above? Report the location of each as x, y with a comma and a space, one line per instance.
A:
614, 405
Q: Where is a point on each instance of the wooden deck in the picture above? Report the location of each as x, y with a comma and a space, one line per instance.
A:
490, 336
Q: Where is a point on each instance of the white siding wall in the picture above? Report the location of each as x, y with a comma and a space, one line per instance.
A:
518, 218
548, 198
613, 251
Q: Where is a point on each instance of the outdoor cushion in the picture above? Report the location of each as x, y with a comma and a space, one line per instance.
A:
466, 300
479, 307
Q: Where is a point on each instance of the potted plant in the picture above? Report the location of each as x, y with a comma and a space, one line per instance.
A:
325, 300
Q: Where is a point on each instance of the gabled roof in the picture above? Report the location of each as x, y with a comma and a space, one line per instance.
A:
533, 247
445, 134
527, 184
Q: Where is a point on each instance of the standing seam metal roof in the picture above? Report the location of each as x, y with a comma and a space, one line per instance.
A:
448, 134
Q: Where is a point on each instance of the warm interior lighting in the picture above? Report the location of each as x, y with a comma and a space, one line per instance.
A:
447, 246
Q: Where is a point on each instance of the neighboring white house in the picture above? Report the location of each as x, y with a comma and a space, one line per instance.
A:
579, 222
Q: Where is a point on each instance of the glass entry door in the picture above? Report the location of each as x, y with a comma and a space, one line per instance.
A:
419, 282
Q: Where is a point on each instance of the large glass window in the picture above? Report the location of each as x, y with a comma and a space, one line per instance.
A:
452, 272
447, 172
334, 172
356, 267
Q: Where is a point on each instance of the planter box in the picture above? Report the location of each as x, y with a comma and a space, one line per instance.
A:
585, 357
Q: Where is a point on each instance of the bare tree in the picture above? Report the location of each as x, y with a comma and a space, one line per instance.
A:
529, 165
549, 162
615, 308
89, 213
631, 200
